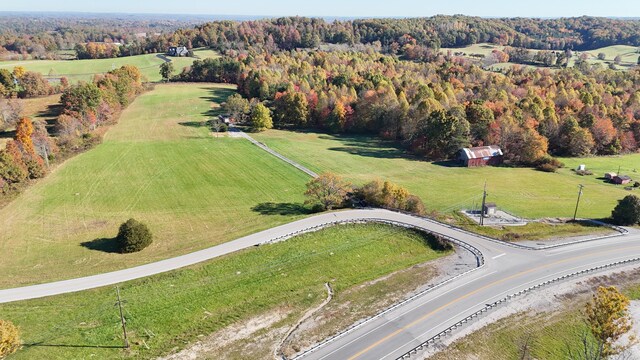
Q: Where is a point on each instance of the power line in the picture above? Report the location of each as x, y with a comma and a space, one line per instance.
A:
575, 213
122, 320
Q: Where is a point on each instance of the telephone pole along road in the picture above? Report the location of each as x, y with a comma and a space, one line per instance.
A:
507, 270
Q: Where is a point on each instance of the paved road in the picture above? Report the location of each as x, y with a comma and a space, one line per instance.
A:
507, 270
235, 132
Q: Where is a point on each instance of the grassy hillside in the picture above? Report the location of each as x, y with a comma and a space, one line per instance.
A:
170, 310
443, 187
159, 166
76, 70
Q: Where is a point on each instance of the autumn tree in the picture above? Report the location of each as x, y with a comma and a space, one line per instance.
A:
9, 338
607, 315
237, 107
328, 190
18, 72
81, 98
10, 111
33, 84
24, 129
166, 70
260, 118
338, 117
291, 108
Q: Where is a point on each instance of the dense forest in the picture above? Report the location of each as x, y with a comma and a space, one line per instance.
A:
436, 107
43, 37
24, 37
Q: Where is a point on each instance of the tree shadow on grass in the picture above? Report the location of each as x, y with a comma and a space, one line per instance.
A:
448, 163
108, 245
270, 208
195, 124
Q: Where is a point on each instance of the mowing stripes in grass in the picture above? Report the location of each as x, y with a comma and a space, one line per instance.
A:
159, 165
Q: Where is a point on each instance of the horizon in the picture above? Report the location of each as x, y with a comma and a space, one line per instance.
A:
242, 17
337, 8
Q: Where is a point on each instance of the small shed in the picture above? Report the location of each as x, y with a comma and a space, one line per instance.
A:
621, 179
610, 175
581, 167
225, 118
489, 209
480, 156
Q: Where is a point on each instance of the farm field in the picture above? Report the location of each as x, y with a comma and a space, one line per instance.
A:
522, 191
629, 55
170, 310
160, 166
84, 70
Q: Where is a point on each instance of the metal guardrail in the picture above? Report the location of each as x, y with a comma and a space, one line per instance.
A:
424, 345
476, 252
480, 262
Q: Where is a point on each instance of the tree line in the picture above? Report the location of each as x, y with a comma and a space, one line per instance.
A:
85, 108
412, 36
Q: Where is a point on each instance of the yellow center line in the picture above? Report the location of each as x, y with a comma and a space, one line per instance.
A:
402, 329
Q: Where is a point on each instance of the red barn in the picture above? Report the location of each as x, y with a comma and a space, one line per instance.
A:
621, 179
480, 156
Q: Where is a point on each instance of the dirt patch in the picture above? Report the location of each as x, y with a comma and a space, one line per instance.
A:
235, 336
363, 301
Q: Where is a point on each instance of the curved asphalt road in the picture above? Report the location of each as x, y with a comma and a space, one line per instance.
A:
507, 270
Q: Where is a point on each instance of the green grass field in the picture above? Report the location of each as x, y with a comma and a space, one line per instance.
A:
548, 335
159, 166
77, 70
523, 191
170, 310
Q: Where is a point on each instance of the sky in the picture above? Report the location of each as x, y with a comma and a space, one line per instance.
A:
346, 8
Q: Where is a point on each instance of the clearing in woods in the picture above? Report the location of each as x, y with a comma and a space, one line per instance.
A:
77, 70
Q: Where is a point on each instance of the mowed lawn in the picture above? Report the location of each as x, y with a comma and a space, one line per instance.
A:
76, 70
523, 191
157, 165
171, 310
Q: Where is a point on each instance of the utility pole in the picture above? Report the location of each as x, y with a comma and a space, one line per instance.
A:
122, 320
484, 198
578, 202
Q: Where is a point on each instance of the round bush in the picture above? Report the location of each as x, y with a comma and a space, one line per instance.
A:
133, 236
9, 338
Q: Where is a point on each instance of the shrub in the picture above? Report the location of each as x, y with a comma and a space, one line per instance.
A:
549, 164
636, 184
415, 205
583, 172
133, 236
510, 236
9, 338
627, 212
546, 168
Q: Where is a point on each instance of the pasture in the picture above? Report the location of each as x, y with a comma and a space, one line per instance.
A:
445, 187
84, 70
170, 310
160, 166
